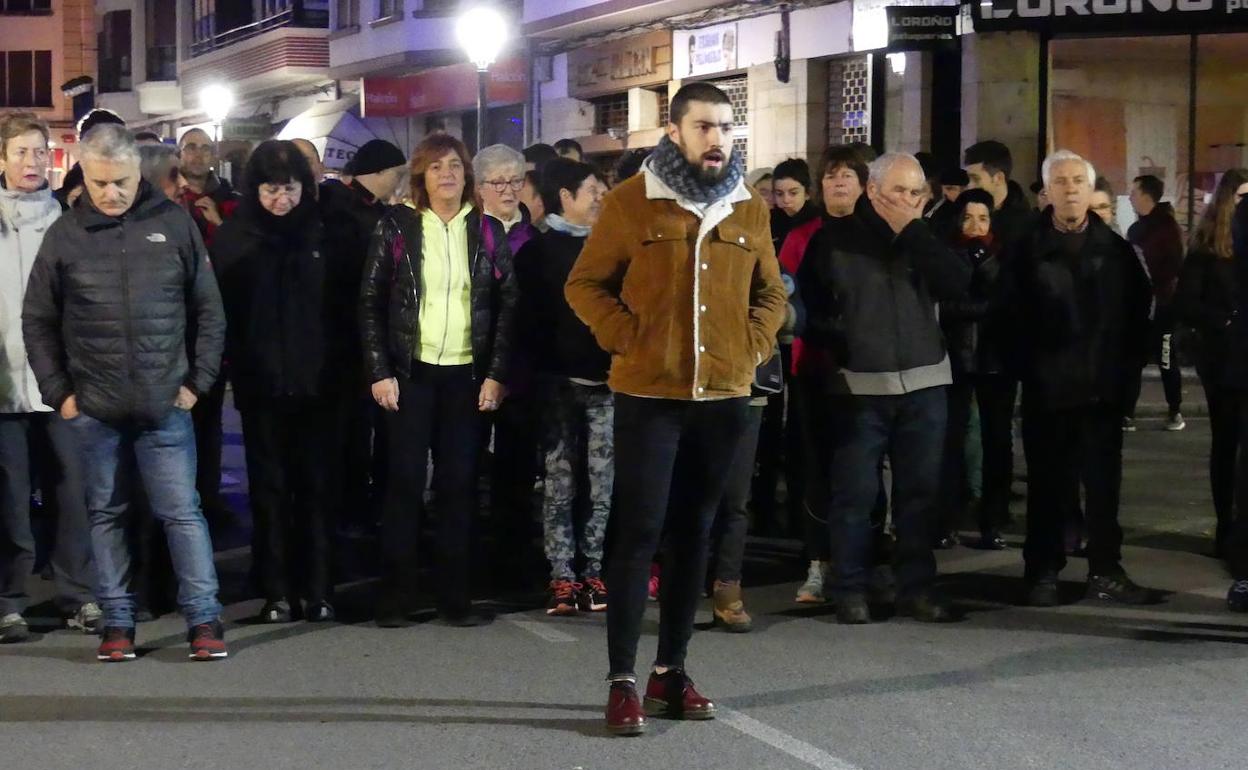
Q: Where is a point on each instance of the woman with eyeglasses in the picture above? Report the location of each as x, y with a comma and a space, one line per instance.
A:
499, 171
437, 311
1207, 300
270, 262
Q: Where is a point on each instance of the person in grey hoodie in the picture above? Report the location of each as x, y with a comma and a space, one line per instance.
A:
29, 429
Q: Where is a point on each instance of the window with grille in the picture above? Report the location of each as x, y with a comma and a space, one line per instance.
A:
849, 100
387, 8
25, 78
26, 7
611, 113
738, 90
665, 107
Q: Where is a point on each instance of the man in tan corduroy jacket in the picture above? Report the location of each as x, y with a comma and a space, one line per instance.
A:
679, 282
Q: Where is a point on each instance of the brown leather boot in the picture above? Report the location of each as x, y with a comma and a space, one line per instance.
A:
730, 611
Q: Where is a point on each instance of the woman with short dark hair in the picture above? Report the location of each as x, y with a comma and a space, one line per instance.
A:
270, 262
437, 309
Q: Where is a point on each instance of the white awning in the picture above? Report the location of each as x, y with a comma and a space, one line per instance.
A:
331, 126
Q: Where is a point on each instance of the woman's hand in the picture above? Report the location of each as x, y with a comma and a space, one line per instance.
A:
492, 394
386, 394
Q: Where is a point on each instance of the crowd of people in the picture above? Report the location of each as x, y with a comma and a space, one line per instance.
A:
657, 346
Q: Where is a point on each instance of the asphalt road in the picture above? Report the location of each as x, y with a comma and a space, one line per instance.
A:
1082, 686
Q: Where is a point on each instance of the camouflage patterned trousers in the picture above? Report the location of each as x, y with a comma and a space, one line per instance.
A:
580, 445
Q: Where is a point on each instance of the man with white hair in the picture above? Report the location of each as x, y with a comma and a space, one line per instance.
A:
871, 282
124, 327
1077, 303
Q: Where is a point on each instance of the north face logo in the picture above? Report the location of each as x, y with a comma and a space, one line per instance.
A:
156, 237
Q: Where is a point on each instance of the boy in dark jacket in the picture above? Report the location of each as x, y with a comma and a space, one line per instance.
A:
1078, 300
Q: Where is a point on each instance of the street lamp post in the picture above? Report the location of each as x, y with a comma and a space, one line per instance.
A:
217, 101
481, 32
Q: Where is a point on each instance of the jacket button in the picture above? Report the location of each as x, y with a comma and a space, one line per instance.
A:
705, 266
703, 308
741, 240
701, 390
701, 348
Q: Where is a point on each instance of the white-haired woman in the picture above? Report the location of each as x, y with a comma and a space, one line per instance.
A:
29, 429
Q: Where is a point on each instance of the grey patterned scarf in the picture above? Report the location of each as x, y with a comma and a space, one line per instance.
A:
669, 163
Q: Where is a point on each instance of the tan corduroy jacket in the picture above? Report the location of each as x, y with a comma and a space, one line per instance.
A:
687, 299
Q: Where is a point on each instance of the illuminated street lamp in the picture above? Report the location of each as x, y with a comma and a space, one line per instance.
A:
482, 33
217, 101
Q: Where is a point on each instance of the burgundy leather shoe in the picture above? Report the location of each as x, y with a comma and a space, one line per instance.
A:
624, 713
671, 694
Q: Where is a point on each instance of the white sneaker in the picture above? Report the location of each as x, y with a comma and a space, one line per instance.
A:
1175, 423
13, 629
87, 619
811, 591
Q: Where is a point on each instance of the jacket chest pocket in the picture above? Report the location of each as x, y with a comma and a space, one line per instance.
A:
666, 249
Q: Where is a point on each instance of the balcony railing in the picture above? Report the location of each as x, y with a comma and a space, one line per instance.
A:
298, 13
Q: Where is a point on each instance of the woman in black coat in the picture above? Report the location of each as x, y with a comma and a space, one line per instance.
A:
270, 263
978, 376
1207, 300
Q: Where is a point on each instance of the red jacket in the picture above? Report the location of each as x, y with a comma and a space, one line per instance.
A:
790, 256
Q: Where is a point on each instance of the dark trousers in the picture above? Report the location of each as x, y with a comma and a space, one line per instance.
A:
671, 458
996, 395
910, 430
438, 413
209, 441
1237, 543
517, 462
42, 441
1066, 449
1161, 352
288, 445
1224, 423
357, 471
732, 522
953, 478
808, 465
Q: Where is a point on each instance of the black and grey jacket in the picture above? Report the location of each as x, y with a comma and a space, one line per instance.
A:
870, 301
122, 311
391, 294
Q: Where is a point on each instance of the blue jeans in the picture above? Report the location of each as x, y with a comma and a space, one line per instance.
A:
165, 458
910, 430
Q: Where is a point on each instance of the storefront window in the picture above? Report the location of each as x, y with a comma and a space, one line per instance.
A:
1221, 111
1124, 104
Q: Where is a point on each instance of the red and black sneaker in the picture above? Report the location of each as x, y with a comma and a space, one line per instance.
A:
562, 597
593, 595
116, 645
207, 641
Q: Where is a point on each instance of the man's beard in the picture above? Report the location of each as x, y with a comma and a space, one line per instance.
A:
708, 176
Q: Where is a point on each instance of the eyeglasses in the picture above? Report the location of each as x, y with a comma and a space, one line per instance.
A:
501, 185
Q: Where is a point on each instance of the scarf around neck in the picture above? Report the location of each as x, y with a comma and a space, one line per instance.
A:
562, 225
668, 162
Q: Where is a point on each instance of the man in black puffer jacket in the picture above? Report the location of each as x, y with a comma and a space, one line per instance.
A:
116, 285
1077, 303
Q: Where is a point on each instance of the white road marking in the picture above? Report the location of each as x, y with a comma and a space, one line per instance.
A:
794, 747
542, 630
